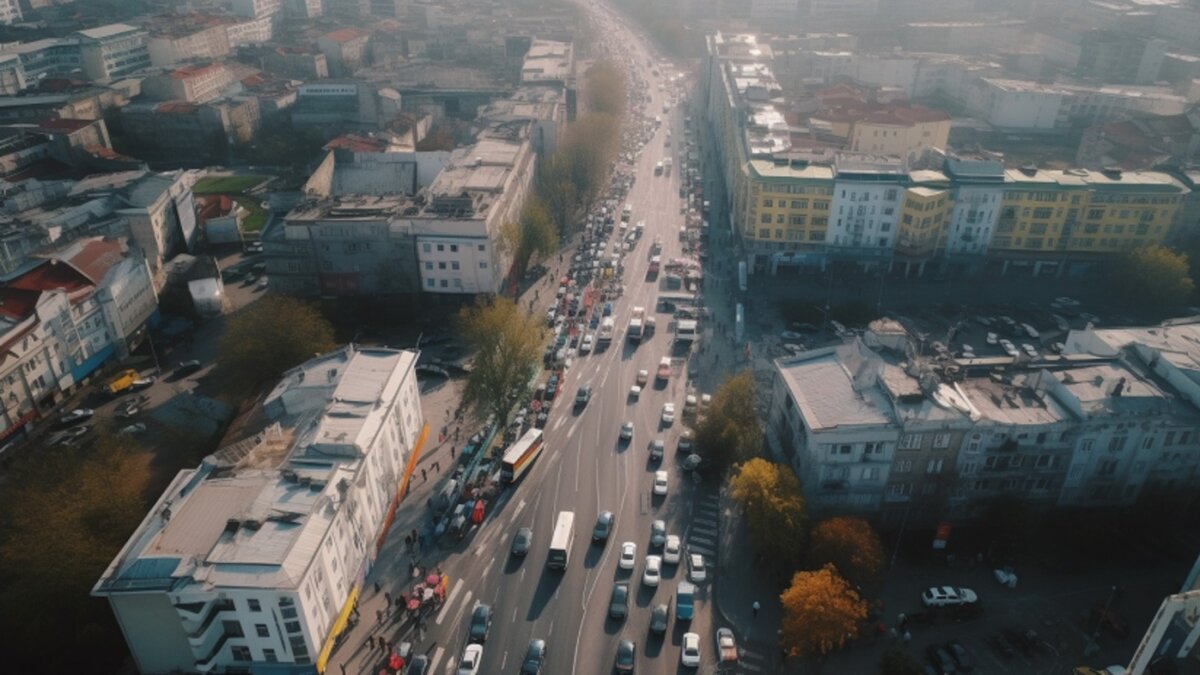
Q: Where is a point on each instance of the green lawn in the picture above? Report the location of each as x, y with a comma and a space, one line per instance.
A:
256, 217
215, 185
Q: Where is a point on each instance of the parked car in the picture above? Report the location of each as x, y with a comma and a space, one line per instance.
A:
668, 414
962, 658
992, 338
418, 666
659, 619
727, 651
75, 417
658, 533
656, 449
132, 429
948, 596
941, 659
627, 431
1029, 350
187, 368
643, 376
1009, 348
672, 550
660, 483
583, 396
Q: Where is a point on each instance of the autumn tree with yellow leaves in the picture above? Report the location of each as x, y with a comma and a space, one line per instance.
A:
820, 613
851, 545
774, 509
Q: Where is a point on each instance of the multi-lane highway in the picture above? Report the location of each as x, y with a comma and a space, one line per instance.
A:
586, 469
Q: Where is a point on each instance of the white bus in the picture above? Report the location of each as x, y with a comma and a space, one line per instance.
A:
560, 543
520, 456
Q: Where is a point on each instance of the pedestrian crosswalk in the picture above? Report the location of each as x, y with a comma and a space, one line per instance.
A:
703, 534
754, 658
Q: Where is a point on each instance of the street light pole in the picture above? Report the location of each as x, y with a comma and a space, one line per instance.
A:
1092, 647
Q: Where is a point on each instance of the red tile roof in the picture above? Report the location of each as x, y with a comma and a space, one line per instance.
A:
906, 116
357, 143
345, 34
64, 124
96, 257
176, 107
17, 303
213, 206
52, 275
193, 70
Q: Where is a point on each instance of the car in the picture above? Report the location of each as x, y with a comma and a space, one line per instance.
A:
659, 617
132, 429
941, 660
627, 431
967, 352
962, 658
660, 483
689, 652
75, 417
626, 659
668, 414
262, 283
727, 651
696, 571
652, 571
187, 368
658, 533
469, 663
583, 396
992, 339
604, 526
948, 596
142, 383
1029, 350
535, 658
69, 436
522, 541
685, 442
635, 392
1009, 348
481, 623
672, 550
1058, 347
628, 556
1030, 331
131, 406
588, 342
618, 604
643, 376
656, 449
418, 666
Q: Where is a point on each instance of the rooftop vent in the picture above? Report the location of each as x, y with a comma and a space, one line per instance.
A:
1029, 169
289, 475
1113, 172
251, 524
232, 525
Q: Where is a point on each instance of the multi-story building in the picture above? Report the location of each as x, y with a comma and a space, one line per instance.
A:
873, 426
178, 38
12, 75
865, 208
199, 83
303, 9
345, 50
977, 188
10, 12
839, 12
113, 51
192, 132
256, 9
250, 31
258, 554
900, 131
542, 109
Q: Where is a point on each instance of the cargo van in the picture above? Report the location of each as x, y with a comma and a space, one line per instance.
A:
123, 381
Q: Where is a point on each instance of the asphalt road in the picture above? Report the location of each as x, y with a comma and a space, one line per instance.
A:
587, 470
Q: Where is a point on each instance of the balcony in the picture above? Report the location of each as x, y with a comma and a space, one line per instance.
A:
208, 663
215, 610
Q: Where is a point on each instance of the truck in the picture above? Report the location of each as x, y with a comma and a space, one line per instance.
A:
123, 381
687, 330
658, 169
664, 369
685, 601
667, 166
635, 325
607, 327
655, 265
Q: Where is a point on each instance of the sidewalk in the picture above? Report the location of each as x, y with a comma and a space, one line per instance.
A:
738, 588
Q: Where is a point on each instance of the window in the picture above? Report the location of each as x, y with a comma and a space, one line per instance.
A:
870, 473
969, 468
796, 220
873, 449
890, 195
934, 466
262, 630
454, 265
1107, 467
429, 283
843, 449
941, 441
445, 283
765, 233
1168, 440
898, 490
974, 443
240, 653
1148, 442
1085, 445
255, 605
441, 247
482, 265
768, 203
428, 265
426, 247
454, 248
481, 248
1044, 461
269, 656
902, 466
1117, 444
765, 219
441, 265
292, 626
910, 442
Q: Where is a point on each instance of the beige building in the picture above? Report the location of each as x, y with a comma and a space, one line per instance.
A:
192, 84
900, 131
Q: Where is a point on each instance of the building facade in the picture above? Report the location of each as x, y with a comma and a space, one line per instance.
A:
111, 52
302, 501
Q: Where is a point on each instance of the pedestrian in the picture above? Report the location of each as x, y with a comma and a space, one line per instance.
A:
343, 666
452, 447
379, 616
377, 588
755, 607
407, 542
388, 597
425, 478
414, 533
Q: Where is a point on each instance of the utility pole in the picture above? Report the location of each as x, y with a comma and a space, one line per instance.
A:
1092, 646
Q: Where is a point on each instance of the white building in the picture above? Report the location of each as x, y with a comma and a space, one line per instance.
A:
978, 188
250, 31
10, 12
113, 51
198, 83
841, 12
1018, 104
177, 43
774, 10
257, 555
866, 205
256, 9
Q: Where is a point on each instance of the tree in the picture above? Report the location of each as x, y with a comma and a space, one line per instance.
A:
851, 545
896, 661
534, 234
506, 343
64, 516
731, 431
556, 190
774, 508
272, 335
605, 87
820, 612
1152, 276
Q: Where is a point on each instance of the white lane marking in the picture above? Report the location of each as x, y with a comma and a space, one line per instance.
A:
705, 530
496, 597
522, 575
749, 666
488, 568
449, 600
550, 632
503, 660
703, 540
514, 619
437, 656
517, 511
465, 603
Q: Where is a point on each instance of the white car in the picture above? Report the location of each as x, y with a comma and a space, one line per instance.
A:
1009, 348
586, 345
652, 572
643, 376
727, 650
132, 429
689, 654
1030, 331
628, 556
1029, 350
672, 550
948, 596
992, 339
627, 431
696, 571
635, 393
660, 483
469, 663
668, 414
968, 352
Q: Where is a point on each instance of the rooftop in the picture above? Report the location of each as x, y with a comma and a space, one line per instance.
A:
832, 389
109, 31
346, 34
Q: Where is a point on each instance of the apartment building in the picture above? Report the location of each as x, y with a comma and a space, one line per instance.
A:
256, 9
345, 50
179, 38
865, 207
257, 555
199, 83
542, 110
871, 426
113, 51
900, 131
195, 131
10, 12
250, 31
